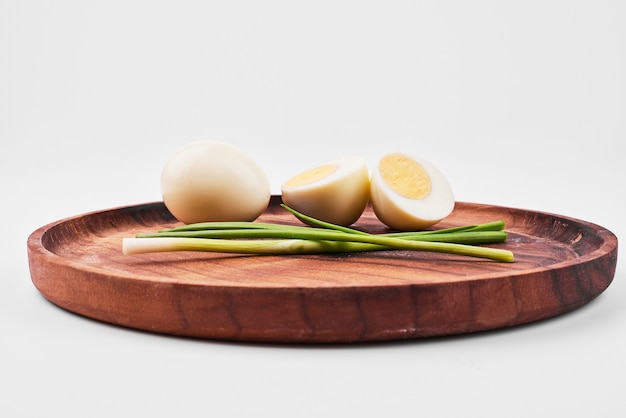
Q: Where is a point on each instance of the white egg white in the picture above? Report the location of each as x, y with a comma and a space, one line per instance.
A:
214, 181
399, 212
340, 197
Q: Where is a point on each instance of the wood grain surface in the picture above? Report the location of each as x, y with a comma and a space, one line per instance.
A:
561, 264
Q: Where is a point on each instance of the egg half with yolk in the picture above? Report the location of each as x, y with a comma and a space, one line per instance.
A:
336, 191
207, 181
409, 193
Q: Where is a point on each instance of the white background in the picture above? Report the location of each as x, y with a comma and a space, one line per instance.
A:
520, 104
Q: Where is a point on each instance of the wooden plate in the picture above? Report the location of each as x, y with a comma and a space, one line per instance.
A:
561, 264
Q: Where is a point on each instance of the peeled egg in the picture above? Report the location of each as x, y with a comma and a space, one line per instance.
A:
214, 181
409, 193
336, 191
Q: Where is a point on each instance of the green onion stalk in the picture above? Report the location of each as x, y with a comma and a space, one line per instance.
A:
280, 239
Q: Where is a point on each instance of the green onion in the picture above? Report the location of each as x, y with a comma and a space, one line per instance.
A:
330, 235
316, 222
301, 246
267, 238
230, 225
491, 226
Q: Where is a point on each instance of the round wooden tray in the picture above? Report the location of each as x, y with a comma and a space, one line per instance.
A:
561, 264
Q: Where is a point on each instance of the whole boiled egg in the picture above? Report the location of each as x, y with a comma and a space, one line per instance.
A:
336, 191
214, 181
409, 193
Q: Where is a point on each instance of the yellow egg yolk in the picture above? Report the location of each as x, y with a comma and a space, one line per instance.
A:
311, 176
405, 176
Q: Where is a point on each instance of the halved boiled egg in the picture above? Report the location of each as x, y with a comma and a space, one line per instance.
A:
214, 181
336, 191
409, 193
